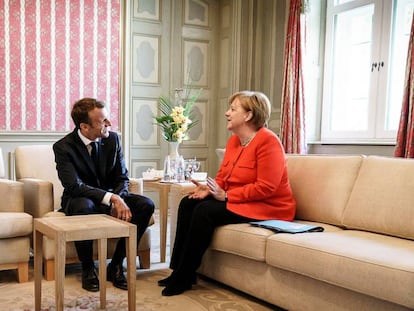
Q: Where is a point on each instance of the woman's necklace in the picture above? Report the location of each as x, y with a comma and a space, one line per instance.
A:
248, 140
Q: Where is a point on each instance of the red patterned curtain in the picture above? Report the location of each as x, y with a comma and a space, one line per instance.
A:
53, 52
292, 127
405, 138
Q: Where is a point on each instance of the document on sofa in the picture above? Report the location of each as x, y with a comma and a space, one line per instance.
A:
286, 226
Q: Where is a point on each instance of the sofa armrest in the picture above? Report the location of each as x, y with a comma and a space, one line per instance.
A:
11, 194
136, 185
38, 196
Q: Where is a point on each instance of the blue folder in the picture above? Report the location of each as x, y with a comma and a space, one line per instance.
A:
286, 226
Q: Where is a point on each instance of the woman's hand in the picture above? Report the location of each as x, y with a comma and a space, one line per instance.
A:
200, 192
215, 190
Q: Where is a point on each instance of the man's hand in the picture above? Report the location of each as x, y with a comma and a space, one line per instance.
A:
119, 208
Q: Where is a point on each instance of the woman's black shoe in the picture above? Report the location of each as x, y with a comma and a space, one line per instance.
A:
167, 280
164, 282
175, 289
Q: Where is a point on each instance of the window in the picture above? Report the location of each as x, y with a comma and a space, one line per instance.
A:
365, 57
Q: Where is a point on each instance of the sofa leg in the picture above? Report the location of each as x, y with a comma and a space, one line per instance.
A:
23, 272
144, 259
49, 269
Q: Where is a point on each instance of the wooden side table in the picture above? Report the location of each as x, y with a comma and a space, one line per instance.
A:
177, 192
78, 228
163, 189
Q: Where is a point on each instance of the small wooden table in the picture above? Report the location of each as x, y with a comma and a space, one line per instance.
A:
163, 189
79, 228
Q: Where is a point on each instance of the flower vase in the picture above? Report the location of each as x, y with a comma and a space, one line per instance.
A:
173, 150
170, 165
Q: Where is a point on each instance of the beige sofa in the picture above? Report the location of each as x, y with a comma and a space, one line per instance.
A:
364, 259
15, 227
36, 169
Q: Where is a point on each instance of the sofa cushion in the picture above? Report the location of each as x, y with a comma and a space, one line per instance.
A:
248, 241
321, 185
15, 225
365, 262
11, 194
38, 161
16, 250
241, 239
382, 200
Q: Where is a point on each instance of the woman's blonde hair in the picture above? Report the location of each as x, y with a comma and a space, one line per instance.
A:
257, 103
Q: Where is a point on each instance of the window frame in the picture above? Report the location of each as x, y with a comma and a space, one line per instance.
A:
378, 93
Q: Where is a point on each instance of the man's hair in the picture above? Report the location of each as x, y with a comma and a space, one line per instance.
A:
81, 108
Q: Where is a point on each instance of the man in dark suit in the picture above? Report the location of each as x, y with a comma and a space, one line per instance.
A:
91, 166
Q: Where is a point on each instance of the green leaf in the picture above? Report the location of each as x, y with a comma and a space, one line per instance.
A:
166, 122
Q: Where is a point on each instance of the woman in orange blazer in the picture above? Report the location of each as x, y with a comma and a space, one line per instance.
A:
251, 184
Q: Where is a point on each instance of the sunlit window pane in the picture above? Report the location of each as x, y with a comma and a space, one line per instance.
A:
351, 69
339, 2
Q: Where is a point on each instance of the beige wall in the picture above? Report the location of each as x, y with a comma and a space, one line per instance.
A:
238, 51
166, 48
242, 44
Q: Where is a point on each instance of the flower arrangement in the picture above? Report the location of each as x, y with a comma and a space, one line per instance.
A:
176, 118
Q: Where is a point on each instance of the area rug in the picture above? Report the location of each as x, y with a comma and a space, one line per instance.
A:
206, 295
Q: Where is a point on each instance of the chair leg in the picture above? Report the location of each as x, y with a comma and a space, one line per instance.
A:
23, 272
144, 259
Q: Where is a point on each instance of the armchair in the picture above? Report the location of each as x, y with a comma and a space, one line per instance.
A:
36, 169
16, 227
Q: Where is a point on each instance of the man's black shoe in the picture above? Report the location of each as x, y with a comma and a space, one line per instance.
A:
90, 280
115, 274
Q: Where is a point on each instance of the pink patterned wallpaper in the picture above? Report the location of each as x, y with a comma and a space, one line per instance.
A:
53, 52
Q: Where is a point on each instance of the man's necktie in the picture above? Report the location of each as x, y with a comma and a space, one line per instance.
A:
94, 155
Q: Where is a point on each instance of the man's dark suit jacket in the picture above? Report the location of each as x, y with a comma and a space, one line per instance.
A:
77, 173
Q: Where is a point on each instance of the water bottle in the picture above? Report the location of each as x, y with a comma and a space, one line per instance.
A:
180, 169
167, 168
